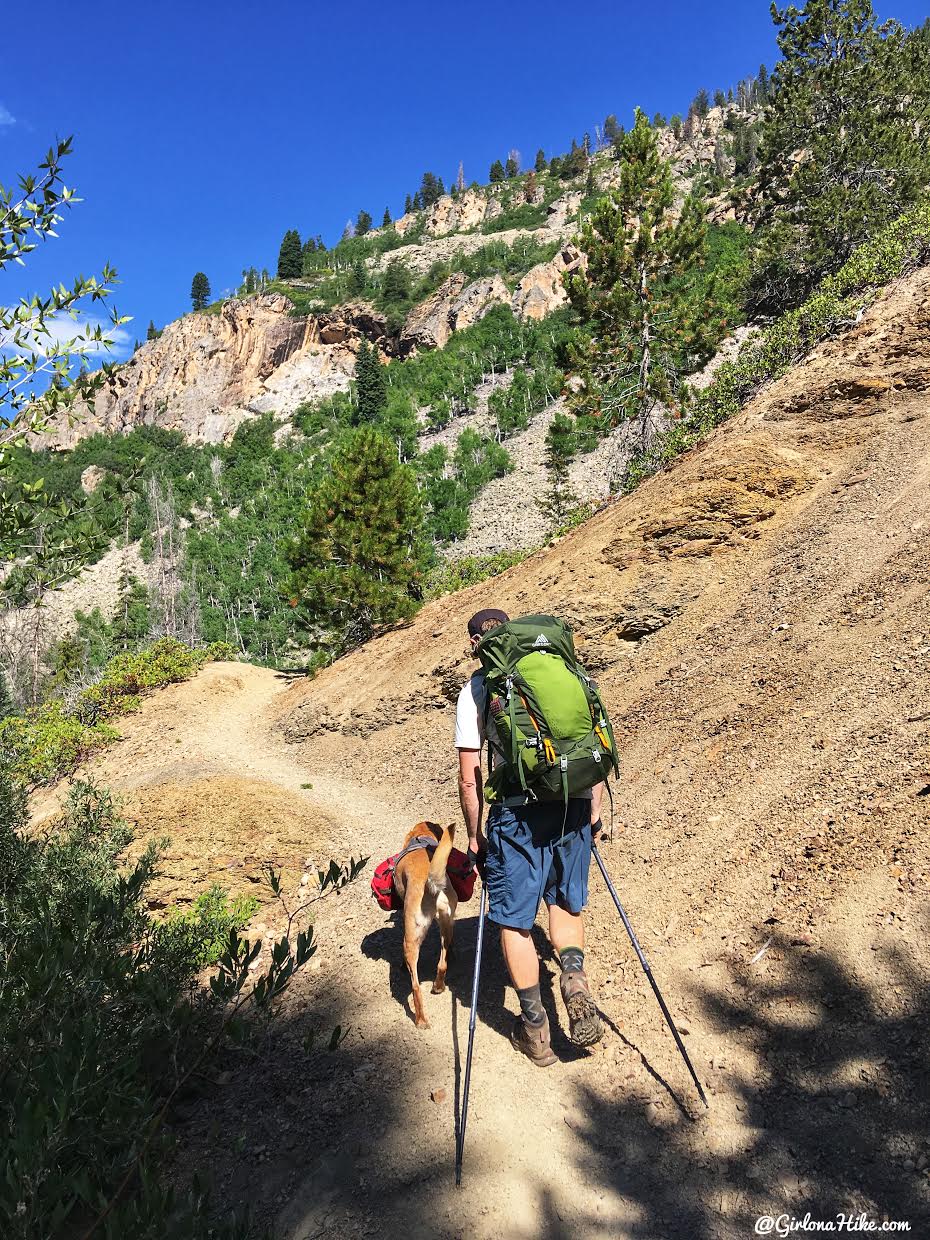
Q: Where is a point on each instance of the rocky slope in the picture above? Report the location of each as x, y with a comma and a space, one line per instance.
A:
208, 372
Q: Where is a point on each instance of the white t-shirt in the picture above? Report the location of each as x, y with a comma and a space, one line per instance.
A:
469, 717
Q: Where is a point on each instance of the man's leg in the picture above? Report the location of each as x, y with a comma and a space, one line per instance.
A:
514, 875
566, 896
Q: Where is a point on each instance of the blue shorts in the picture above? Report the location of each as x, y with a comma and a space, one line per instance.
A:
530, 860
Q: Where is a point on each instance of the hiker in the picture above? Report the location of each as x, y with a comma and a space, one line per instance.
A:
534, 850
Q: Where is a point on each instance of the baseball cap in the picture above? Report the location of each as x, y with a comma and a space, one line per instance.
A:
483, 621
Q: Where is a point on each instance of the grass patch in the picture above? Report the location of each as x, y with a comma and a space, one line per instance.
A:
452, 575
51, 740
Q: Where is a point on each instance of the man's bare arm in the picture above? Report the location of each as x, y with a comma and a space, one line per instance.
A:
471, 794
597, 796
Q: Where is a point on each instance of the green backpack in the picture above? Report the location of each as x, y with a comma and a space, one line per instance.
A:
552, 726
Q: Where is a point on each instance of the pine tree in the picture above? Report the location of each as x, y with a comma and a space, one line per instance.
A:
200, 291
560, 501
370, 384
611, 129
290, 256
362, 224
358, 277
531, 187
853, 96
637, 295
386, 220
658, 121
720, 99
497, 172
512, 166
356, 562
408, 205
676, 125
540, 164
762, 84
555, 166
152, 331
701, 104
431, 189
590, 189
396, 287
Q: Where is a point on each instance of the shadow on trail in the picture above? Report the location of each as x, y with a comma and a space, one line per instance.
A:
833, 1114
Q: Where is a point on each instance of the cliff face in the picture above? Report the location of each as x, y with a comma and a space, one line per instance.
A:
207, 373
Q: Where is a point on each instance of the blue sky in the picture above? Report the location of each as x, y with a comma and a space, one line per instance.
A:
204, 130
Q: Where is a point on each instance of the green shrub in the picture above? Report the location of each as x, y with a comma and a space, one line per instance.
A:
193, 938
101, 1025
451, 575
51, 740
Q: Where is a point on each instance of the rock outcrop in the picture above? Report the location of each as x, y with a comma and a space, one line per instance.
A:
207, 373
542, 289
453, 306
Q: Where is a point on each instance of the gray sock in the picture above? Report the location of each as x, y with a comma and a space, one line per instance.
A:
571, 959
531, 1005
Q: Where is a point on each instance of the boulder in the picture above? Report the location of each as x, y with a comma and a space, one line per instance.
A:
91, 478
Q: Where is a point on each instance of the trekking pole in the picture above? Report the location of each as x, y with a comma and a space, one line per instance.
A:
460, 1139
646, 969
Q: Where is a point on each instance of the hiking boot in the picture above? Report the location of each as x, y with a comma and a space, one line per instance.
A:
533, 1042
583, 1020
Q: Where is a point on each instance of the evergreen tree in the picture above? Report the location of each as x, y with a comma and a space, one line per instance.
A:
676, 125
531, 187
762, 85
370, 384
386, 220
637, 297
395, 287
658, 121
611, 129
408, 205
431, 189
560, 501
853, 97
701, 105
356, 562
200, 291
358, 277
555, 166
720, 99
152, 332
497, 172
540, 164
512, 166
362, 224
590, 189
417, 204
290, 256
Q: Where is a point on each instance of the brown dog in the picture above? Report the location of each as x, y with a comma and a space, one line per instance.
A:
421, 882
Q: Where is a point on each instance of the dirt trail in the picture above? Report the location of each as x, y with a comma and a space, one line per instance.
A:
231, 785
759, 620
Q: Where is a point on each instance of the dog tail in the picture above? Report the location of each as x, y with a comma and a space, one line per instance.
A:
437, 870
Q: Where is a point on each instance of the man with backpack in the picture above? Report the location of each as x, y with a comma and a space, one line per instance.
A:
550, 749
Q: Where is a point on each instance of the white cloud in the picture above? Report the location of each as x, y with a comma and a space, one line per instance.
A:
61, 328
6, 117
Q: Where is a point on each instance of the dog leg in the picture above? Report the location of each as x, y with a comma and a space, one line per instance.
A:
445, 913
412, 938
